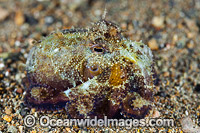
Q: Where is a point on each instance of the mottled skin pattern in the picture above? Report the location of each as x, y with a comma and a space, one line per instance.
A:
91, 72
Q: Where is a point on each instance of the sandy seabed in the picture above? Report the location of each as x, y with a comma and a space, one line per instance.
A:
171, 28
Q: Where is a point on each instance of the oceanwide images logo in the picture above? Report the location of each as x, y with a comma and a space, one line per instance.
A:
44, 121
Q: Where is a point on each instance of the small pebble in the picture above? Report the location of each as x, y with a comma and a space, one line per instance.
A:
21, 129
153, 44
33, 131
156, 114
158, 22
7, 118
68, 129
17, 43
12, 129
19, 18
24, 111
2, 65
186, 112
166, 74
8, 110
188, 125
49, 20
190, 45
19, 90
191, 35
191, 24
7, 73
1, 76
123, 26
33, 110
3, 14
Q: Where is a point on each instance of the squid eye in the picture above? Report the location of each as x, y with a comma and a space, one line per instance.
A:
94, 68
91, 71
98, 49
